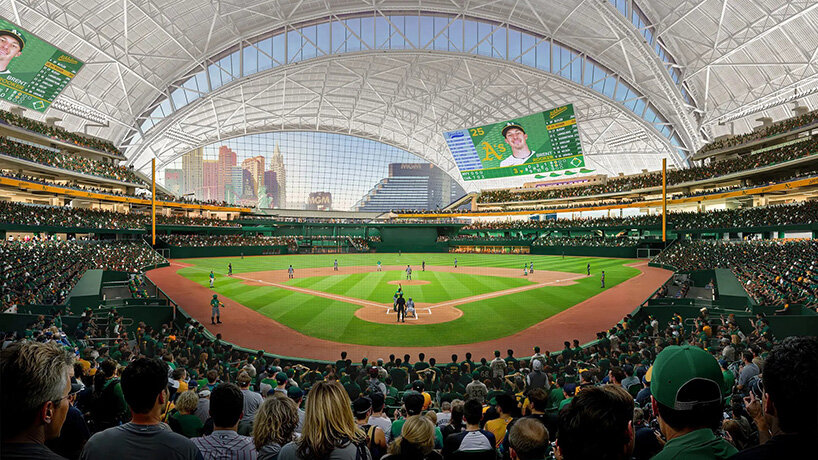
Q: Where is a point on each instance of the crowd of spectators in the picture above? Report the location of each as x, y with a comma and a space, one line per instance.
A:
44, 270
654, 179
70, 161
471, 237
804, 212
58, 133
774, 129
642, 390
143, 195
579, 222
228, 240
69, 217
774, 272
587, 241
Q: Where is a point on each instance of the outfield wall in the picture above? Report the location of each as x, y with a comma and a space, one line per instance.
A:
190, 252
586, 251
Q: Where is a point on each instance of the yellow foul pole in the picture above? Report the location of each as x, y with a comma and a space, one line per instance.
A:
664, 199
153, 202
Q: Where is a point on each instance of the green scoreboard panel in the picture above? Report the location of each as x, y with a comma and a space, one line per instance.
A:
541, 143
32, 71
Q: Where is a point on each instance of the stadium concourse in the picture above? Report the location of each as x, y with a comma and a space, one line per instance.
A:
397, 230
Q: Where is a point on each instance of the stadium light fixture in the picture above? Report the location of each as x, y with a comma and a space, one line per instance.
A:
797, 94
69, 106
178, 135
627, 138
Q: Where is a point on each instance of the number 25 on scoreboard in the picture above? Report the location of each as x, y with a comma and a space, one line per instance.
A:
477, 132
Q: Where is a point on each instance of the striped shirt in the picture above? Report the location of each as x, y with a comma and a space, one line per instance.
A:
226, 445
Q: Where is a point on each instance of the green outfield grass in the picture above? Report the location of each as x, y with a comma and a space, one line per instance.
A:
482, 320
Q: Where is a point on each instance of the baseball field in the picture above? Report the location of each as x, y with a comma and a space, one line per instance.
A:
486, 297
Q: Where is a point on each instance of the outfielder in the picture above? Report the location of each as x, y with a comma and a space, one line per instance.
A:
212, 278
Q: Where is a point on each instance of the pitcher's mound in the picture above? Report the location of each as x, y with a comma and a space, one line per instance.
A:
409, 282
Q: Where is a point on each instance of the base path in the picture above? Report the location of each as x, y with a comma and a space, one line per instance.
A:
580, 322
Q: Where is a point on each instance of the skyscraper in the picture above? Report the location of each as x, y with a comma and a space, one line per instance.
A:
255, 166
192, 170
277, 166
227, 161
210, 180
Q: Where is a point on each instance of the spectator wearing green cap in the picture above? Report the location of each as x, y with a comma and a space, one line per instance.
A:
686, 393
12, 43
476, 389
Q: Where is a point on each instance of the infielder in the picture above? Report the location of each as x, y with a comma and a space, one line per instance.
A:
379, 266
603, 280
455, 262
588, 269
423, 266
230, 269
290, 272
335, 265
408, 273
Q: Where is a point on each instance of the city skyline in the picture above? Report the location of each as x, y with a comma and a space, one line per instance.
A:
296, 164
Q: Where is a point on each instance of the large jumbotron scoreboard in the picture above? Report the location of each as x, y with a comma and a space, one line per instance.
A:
541, 143
32, 72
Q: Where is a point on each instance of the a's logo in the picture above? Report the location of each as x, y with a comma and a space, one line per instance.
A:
67, 59
552, 114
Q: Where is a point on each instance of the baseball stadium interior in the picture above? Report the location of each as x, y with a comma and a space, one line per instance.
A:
438, 229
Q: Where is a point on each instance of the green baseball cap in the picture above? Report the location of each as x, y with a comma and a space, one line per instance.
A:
510, 125
14, 33
684, 377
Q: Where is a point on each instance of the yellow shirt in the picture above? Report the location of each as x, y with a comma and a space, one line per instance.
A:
498, 428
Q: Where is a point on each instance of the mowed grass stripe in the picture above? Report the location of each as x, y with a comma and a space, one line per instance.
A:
264, 263
482, 320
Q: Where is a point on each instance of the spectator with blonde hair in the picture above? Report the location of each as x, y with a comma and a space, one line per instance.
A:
184, 421
416, 442
274, 426
330, 431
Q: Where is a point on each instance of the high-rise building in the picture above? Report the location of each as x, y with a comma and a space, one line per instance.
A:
227, 160
411, 186
277, 166
210, 180
248, 185
255, 166
271, 189
233, 188
192, 170
174, 180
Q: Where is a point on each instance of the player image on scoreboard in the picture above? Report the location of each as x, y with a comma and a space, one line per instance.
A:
32, 72
545, 142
